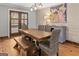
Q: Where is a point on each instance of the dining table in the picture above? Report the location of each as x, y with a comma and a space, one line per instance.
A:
36, 34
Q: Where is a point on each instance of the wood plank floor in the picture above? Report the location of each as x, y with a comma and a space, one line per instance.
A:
66, 49
6, 46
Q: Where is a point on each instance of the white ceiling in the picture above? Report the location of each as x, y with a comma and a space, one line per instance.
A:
24, 5
30, 4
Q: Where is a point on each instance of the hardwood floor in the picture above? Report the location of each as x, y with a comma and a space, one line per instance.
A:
6, 46
68, 49
65, 49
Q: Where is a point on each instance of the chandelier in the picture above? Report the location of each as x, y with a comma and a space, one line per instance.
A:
36, 6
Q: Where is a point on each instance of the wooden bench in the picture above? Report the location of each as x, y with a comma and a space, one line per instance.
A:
24, 46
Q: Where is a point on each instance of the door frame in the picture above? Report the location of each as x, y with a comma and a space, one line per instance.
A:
9, 21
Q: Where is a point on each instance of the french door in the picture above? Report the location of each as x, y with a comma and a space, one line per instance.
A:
17, 19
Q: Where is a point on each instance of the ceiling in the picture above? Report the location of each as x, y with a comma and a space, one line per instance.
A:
30, 4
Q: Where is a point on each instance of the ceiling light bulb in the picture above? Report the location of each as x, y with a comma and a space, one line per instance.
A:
35, 8
40, 5
31, 9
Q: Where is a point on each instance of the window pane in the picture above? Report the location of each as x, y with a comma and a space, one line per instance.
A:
14, 30
24, 16
14, 15
14, 21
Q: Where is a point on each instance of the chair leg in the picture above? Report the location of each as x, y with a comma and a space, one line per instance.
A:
39, 52
57, 54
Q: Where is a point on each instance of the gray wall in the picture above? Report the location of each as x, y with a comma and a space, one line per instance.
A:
32, 20
40, 15
73, 22
4, 20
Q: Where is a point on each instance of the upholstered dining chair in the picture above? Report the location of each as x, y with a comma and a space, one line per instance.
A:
50, 46
48, 28
41, 27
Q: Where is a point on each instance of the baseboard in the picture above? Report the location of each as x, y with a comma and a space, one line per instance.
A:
14, 34
72, 42
3, 37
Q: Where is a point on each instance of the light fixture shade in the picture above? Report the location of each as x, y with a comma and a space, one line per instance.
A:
40, 5
31, 9
36, 6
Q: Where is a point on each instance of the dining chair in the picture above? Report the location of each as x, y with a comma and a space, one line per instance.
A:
41, 27
50, 46
48, 28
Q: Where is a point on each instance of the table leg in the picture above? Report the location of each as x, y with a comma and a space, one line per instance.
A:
57, 54
38, 48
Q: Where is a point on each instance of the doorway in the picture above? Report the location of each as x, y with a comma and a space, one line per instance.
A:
17, 19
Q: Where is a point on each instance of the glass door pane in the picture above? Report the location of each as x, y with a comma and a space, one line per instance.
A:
14, 22
14, 15
24, 16
24, 20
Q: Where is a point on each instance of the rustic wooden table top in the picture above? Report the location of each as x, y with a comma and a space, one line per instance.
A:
36, 34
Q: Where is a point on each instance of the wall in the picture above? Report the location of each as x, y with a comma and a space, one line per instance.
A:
32, 20
4, 20
40, 15
72, 21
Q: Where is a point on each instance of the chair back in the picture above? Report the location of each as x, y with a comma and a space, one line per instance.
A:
54, 37
48, 28
54, 44
41, 27
52, 48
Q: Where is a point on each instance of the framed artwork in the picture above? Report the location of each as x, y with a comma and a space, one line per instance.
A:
59, 13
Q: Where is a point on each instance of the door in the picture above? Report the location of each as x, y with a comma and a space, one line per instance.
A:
17, 21
24, 20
